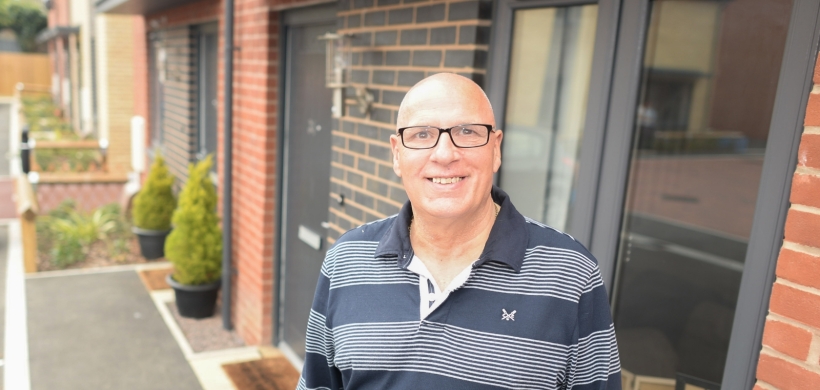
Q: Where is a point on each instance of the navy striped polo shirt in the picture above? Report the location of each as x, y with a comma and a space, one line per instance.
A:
365, 331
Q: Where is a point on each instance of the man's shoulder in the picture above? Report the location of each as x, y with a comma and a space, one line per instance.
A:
371, 232
544, 236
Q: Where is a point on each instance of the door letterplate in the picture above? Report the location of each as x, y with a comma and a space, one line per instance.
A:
313, 239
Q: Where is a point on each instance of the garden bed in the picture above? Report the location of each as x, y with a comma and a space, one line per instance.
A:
98, 256
68, 238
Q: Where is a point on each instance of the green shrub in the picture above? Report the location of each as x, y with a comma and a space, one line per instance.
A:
69, 251
67, 234
26, 18
43, 124
195, 244
154, 204
75, 160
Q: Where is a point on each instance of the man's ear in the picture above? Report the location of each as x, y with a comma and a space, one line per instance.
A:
497, 149
395, 144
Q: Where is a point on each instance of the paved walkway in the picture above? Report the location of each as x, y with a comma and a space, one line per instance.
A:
100, 331
96, 329
82, 330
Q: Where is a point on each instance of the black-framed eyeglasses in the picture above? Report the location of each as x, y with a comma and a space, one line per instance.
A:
471, 135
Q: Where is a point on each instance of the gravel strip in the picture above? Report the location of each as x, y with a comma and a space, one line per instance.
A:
206, 334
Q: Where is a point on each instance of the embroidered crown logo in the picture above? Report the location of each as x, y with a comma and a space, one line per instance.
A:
507, 316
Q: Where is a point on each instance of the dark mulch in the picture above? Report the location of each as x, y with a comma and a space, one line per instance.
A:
206, 334
99, 255
264, 374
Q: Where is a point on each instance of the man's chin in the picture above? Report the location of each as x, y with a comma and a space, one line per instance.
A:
442, 208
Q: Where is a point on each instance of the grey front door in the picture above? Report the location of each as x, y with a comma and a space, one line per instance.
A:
307, 120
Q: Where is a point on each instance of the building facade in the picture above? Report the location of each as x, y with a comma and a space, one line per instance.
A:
677, 139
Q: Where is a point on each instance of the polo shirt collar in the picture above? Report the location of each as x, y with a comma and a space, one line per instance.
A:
506, 244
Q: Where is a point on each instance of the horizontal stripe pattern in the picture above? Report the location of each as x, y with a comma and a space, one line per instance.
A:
361, 336
319, 337
303, 386
597, 358
546, 271
451, 351
352, 263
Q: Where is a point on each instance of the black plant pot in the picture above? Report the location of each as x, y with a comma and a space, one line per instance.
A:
195, 301
152, 242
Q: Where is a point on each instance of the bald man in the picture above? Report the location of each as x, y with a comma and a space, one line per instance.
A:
458, 290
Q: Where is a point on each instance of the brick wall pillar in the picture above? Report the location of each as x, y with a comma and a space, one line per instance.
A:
254, 167
790, 358
396, 44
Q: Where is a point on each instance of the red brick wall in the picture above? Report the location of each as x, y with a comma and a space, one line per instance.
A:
256, 31
790, 358
89, 196
255, 113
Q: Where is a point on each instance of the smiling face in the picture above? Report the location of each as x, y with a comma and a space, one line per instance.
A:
446, 181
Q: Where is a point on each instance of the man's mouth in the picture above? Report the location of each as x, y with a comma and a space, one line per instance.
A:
445, 180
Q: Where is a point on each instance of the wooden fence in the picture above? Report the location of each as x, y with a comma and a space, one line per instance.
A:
28, 68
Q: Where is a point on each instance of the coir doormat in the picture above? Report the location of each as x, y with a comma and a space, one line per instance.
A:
275, 373
154, 279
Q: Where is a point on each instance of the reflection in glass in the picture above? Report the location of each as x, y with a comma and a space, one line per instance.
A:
550, 68
709, 77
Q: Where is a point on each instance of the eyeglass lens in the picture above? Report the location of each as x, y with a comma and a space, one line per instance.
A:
464, 136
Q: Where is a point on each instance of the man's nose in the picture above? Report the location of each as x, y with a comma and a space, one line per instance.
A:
445, 150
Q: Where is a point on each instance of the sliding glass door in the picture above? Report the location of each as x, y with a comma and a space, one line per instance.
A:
662, 135
550, 68
699, 140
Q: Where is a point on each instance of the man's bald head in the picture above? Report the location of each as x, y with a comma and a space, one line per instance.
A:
428, 93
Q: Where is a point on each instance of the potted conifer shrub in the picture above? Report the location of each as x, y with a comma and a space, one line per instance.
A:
194, 247
152, 210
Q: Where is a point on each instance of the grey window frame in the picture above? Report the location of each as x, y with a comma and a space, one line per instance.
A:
606, 148
793, 89
594, 126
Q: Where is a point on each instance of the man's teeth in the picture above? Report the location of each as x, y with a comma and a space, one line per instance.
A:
446, 180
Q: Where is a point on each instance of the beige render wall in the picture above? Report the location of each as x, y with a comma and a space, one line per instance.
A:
81, 15
115, 87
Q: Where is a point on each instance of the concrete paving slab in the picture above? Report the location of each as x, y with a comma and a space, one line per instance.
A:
3, 256
207, 365
100, 331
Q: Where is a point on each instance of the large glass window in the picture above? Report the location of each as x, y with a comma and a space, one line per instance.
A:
156, 66
710, 72
550, 66
207, 62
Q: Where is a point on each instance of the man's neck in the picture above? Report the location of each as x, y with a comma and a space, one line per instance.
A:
447, 246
